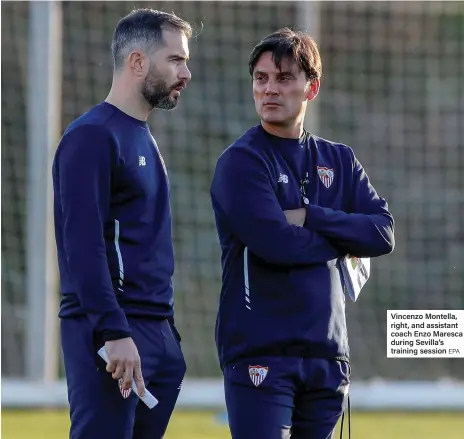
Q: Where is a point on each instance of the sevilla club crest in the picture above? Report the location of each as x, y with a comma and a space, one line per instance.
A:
124, 392
257, 374
326, 175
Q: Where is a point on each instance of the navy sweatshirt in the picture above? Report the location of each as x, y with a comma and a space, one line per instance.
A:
112, 222
281, 285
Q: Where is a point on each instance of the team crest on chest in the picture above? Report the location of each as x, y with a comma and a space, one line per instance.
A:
326, 175
257, 374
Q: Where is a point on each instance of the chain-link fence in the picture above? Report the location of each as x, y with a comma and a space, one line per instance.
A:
392, 88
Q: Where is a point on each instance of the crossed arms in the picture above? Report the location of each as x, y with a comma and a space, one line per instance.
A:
242, 193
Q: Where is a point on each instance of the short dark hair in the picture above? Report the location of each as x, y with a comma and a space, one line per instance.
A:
143, 28
294, 45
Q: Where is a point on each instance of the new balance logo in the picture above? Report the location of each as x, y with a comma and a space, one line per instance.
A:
142, 161
282, 178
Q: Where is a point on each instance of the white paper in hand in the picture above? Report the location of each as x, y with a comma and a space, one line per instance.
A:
355, 273
149, 400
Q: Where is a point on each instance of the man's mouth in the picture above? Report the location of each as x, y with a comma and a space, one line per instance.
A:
179, 87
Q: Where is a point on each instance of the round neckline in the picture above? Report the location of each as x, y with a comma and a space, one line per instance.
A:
142, 123
286, 141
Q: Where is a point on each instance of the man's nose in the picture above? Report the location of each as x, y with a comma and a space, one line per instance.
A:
185, 74
271, 88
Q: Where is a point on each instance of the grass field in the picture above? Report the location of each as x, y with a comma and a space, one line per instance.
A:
204, 425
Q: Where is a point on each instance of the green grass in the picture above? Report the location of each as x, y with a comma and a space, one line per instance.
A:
45, 424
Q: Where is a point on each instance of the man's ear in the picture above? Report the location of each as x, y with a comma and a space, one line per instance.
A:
138, 63
313, 89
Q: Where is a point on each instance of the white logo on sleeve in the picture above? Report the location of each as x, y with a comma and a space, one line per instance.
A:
142, 161
282, 178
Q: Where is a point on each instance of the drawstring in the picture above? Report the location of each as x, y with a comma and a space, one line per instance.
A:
349, 420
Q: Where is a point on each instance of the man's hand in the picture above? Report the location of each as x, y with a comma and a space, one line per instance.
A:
124, 362
296, 217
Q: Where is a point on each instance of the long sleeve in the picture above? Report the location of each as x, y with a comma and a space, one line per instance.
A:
242, 192
84, 161
368, 231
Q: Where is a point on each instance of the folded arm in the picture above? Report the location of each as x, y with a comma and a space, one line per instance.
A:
243, 193
367, 231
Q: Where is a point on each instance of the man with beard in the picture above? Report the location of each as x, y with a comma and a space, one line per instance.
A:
113, 235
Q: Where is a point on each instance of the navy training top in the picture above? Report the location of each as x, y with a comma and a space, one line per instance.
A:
112, 222
282, 292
